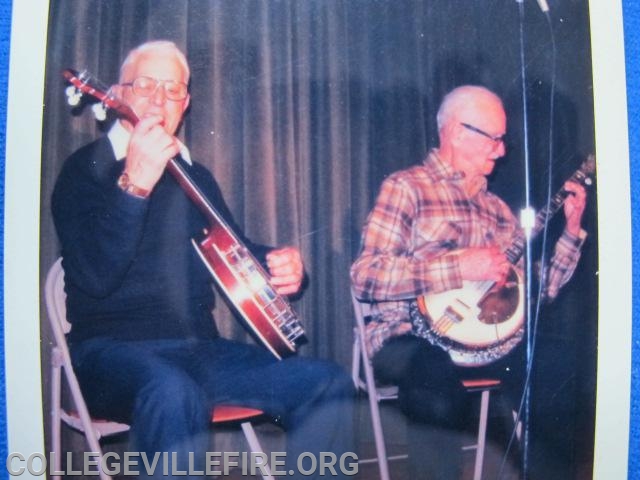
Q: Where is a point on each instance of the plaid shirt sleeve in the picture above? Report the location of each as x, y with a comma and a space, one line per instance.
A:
564, 262
386, 269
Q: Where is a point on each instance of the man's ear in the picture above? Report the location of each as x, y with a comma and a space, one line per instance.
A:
452, 132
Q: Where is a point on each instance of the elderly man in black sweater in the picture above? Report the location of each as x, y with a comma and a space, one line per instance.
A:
143, 343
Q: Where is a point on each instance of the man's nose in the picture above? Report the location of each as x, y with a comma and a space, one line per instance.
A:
159, 96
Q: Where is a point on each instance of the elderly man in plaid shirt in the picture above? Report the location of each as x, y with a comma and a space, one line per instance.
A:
434, 226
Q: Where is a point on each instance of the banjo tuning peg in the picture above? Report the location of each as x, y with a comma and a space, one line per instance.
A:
99, 111
73, 95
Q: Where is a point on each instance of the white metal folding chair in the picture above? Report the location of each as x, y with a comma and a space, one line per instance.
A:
80, 419
361, 364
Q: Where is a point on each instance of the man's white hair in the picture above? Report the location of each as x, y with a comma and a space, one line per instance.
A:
164, 47
459, 97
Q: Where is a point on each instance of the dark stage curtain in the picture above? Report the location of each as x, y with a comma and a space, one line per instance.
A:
301, 108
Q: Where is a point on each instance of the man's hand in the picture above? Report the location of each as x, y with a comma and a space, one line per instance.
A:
483, 263
149, 150
286, 269
574, 206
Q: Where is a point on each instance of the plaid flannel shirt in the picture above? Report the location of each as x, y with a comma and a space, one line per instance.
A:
421, 217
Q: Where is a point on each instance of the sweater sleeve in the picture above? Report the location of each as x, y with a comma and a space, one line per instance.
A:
99, 225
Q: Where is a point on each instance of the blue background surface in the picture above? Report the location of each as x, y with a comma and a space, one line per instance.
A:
631, 13
5, 30
631, 10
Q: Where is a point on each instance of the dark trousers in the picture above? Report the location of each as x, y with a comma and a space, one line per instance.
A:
166, 390
436, 404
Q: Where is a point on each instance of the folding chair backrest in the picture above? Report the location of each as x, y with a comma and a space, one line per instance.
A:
55, 299
361, 361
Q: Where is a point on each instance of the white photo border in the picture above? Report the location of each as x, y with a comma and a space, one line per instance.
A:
22, 227
614, 237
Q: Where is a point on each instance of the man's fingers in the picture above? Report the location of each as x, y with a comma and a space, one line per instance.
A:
147, 123
575, 190
281, 280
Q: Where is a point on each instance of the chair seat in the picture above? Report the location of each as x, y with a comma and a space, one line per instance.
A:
387, 392
481, 384
103, 428
390, 392
233, 413
221, 413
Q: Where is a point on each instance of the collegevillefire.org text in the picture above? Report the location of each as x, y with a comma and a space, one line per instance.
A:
215, 463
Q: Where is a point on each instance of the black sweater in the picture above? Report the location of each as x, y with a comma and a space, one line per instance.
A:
130, 269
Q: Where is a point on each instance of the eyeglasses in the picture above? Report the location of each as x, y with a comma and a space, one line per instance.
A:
496, 138
147, 86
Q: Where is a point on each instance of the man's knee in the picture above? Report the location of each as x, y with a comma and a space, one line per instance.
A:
173, 398
335, 380
438, 407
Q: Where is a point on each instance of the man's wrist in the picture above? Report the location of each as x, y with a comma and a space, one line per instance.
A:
571, 240
125, 184
574, 231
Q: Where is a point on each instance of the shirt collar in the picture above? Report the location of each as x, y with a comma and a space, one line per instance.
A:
442, 170
119, 138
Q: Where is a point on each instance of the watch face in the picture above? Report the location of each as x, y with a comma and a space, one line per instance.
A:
125, 184
123, 181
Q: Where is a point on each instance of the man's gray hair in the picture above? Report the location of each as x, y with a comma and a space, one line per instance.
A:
457, 98
160, 46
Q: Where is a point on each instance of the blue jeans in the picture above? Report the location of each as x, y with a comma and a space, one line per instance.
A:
166, 390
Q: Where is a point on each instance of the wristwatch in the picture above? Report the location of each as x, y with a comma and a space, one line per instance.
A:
126, 186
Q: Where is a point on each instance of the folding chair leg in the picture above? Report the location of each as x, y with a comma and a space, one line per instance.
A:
518, 425
482, 434
355, 361
90, 434
254, 445
381, 449
56, 442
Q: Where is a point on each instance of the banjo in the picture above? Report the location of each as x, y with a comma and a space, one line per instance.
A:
478, 323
